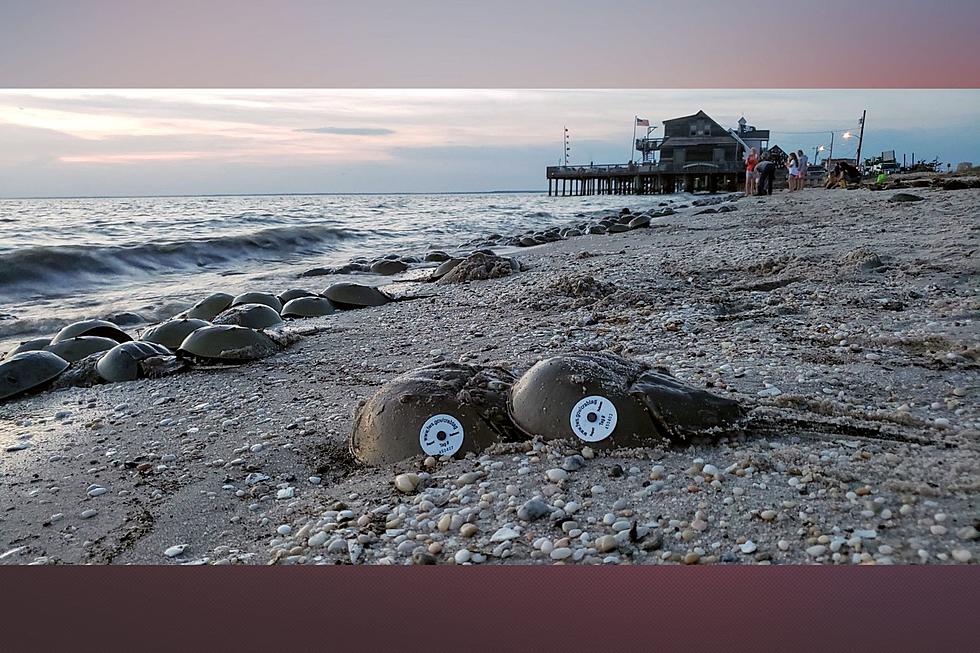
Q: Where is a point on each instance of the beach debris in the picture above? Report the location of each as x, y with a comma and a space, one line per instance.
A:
347, 296
101, 328
75, 349
609, 401
442, 409
228, 343
478, 266
123, 362
209, 307
294, 293
34, 344
905, 197
29, 370
266, 298
173, 332
253, 316
308, 307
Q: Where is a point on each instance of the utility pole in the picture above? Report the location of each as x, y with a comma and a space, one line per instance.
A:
831, 157
861, 139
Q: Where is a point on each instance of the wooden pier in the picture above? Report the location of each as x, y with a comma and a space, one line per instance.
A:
645, 178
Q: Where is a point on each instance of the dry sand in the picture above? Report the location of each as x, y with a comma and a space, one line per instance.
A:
847, 324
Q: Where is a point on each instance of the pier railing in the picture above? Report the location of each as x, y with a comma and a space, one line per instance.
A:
640, 168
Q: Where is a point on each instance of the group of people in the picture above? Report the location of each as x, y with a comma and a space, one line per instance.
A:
842, 175
761, 170
759, 173
797, 163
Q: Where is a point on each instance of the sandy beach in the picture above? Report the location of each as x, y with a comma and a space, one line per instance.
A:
845, 323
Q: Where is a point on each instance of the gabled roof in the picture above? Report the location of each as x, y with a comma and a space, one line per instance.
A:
699, 114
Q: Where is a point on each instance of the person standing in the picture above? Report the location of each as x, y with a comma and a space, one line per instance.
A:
765, 170
801, 173
750, 162
793, 166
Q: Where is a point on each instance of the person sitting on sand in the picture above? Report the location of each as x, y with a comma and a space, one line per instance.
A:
847, 174
750, 162
765, 171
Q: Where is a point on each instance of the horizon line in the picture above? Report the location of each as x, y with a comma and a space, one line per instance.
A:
165, 195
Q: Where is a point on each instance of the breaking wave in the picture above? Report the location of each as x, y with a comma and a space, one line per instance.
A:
68, 266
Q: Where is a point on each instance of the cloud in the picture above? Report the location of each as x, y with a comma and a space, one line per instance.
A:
350, 131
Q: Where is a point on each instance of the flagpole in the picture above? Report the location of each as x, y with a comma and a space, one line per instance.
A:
633, 142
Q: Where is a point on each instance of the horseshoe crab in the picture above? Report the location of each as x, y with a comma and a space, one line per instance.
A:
228, 342
268, 299
609, 401
28, 345
388, 267
253, 316
308, 307
346, 296
294, 293
437, 410
445, 268
172, 332
209, 307
100, 328
29, 370
75, 349
122, 362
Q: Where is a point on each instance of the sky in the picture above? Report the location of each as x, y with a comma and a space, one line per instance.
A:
58, 142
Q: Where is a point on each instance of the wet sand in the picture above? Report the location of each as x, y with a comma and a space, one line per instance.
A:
845, 323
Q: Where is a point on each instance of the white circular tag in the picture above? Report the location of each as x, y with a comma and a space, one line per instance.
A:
441, 435
593, 419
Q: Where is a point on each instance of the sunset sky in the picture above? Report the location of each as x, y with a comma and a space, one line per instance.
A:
136, 142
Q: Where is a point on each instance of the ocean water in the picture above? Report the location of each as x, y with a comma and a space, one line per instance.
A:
63, 260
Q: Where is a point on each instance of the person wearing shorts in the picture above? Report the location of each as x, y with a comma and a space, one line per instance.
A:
750, 162
793, 165
801, 173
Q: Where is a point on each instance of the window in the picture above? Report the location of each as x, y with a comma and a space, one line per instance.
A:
700, 129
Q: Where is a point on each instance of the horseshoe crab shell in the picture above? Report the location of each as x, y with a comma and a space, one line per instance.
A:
122, 362
100, 328
253, 316
445, 268
228, 342
28, 345
268, 299
28, 370
209, 307
172, 332
75, 349
308, 307
387, 267
609, 401
345, 295
440, 409
294, 293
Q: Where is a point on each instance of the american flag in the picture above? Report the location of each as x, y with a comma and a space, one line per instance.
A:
642, 122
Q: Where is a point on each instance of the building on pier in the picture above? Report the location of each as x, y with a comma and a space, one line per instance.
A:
694, 154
